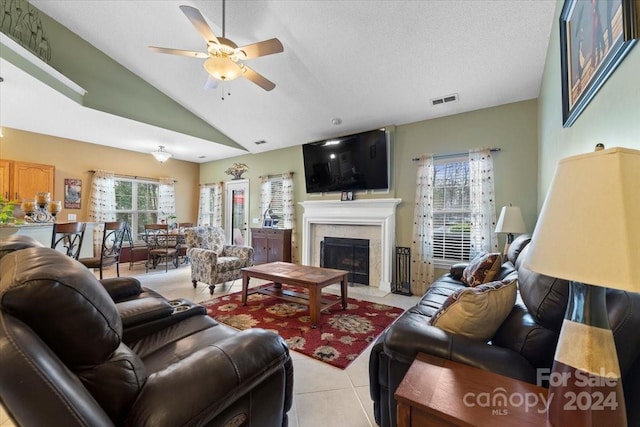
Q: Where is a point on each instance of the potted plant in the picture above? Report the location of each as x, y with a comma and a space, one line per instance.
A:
6, 211
237, 170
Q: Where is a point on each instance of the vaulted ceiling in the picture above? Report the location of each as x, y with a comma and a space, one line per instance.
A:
367, 63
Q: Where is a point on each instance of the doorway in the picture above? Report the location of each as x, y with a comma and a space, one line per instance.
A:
236, 212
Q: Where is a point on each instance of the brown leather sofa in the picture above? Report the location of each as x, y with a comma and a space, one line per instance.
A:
65, 360
524, 343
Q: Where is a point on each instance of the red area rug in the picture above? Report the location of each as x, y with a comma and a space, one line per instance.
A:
341, 335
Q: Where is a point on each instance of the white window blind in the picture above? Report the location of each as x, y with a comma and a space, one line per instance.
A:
451, 209
276, 207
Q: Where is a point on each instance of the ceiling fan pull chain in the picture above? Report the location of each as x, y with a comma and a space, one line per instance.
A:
223, 90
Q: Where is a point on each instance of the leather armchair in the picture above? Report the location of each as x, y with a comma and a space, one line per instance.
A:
524, 343
16, 242
212, 261
64, 360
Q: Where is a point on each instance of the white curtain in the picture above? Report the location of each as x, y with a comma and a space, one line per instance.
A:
203, 205
422, 263
167, 199
288, 206
289, 212
102, 205
482, 199
265, 196
210, 206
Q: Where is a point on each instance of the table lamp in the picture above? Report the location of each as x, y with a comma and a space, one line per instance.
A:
588, 233
510, 222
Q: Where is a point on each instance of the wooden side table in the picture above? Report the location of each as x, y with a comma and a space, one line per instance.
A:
439, 392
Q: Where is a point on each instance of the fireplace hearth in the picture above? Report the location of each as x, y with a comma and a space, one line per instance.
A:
347, 254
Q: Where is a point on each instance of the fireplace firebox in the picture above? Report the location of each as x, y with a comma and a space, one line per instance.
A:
347, 254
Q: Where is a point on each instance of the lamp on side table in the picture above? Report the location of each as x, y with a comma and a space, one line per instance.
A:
587, 233
510, 222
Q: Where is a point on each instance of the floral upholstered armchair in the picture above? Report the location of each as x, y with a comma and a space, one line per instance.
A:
212, 261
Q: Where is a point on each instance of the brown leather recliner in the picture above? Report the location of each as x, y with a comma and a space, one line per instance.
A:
524, 343
64, 361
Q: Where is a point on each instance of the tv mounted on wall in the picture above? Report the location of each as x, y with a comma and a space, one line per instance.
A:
352, 162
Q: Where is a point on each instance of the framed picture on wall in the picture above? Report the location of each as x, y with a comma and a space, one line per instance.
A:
72, 193
346, 196
267, 223
595, 36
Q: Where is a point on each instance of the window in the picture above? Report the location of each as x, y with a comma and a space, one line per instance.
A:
276, 206
451, 210
137, 203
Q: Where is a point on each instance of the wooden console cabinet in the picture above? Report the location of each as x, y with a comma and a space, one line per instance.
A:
439, 392
271, 245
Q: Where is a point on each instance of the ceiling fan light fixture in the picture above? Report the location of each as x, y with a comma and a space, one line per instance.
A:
161, 154
222, 68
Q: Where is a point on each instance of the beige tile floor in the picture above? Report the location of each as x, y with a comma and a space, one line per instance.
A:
323, 395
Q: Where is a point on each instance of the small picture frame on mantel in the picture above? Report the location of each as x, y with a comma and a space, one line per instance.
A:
347, 196
267, 223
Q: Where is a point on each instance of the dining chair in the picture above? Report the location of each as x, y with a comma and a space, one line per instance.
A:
135, 248
182, 245
67, 237
112, 237
160, 244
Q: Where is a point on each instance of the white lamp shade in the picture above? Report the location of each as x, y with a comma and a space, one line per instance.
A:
161, 155
222, 68
589, 227
510, 221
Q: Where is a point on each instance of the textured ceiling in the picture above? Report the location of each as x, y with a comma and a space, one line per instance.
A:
369, 63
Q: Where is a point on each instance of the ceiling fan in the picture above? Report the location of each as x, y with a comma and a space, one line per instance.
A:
223, 57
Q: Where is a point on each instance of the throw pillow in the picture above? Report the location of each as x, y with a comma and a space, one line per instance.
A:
482, 269
477, 312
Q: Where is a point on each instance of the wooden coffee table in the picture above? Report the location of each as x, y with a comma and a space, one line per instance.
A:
311, 278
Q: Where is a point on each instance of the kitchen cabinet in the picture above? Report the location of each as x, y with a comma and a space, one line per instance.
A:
22, 180
5, 175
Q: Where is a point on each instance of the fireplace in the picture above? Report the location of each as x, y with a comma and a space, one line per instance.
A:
347, 254
372, 219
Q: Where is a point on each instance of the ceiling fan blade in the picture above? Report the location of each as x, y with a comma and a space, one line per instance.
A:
180, 52
199, 22
264, 48
258, 79
211, 83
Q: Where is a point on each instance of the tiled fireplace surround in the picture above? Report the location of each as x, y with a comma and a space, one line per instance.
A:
373, 219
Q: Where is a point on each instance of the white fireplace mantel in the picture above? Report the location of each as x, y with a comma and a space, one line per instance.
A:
377, 212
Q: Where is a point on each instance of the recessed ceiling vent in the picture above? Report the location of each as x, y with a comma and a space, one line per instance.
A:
262, 141
445, 99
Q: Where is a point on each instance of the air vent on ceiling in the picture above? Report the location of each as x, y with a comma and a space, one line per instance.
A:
262, 141
445, 99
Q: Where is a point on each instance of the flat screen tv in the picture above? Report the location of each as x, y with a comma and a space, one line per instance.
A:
352, 162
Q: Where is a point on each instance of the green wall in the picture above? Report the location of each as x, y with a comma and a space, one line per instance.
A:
511, 127
612, 117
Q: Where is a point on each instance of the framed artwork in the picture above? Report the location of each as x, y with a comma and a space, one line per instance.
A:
346, 196
72, 193
267, 223
595, 35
